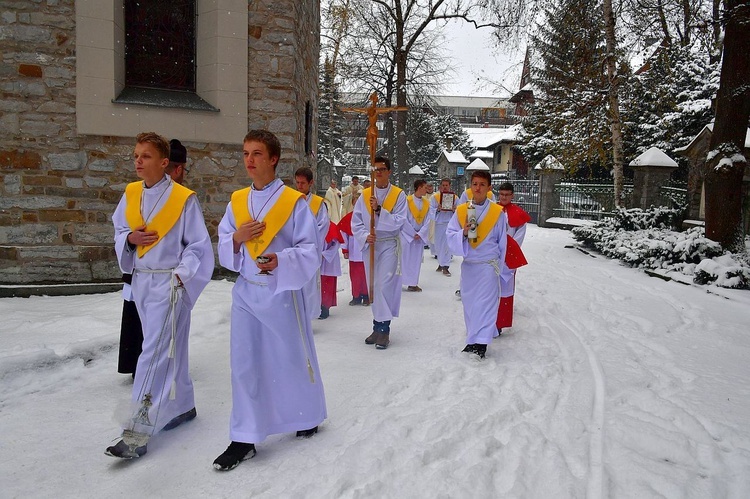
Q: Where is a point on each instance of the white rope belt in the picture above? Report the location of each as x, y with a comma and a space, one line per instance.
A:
398, 250
255, 283
494, 263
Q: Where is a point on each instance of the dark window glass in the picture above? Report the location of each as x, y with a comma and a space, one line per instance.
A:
160, 44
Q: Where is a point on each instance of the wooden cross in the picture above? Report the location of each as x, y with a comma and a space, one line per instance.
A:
372, 141
372, 116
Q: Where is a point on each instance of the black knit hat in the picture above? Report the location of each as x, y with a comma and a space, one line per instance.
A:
177, 152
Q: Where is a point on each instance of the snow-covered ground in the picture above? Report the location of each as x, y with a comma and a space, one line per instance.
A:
611, 384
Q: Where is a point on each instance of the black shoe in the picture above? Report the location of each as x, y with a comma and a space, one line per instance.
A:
356, 301
413, 288
323, 313
366, 301
480, 350
182, 418
234, 455
458, 293
499, 331
123, 451
476, 348
370, 340
470, 348
446, 272
307, 433
439, 269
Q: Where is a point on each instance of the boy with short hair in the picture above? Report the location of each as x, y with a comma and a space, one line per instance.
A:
131, 333
517, 220
482, 260
268, 235
386, 203
353, 252
160, 238
303, 180
443, 206
414, 234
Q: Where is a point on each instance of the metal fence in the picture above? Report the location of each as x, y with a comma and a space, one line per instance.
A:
525, 193
588, 199
674, 195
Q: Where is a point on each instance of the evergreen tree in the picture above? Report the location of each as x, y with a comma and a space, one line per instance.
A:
670, 102
330, 119
423, 143
570, 117
447, 125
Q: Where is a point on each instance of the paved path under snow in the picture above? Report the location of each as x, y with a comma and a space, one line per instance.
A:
610, 384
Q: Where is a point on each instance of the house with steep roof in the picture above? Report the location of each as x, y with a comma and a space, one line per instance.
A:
452, 164
697, 152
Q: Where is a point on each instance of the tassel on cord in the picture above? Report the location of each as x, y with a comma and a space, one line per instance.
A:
302, 336
310, 372
172, 343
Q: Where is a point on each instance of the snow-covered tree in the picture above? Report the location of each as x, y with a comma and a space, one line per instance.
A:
422, 142
447, 125
668, 104
570, 117
426, 135
330, 121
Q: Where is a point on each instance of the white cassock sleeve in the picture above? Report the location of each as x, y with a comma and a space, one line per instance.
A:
125, 255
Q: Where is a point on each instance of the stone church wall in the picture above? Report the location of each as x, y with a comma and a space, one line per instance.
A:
58, 189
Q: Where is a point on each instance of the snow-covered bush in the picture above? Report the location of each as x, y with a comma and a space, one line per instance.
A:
647, 239
725, 271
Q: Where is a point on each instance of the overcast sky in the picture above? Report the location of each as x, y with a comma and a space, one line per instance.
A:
475, 61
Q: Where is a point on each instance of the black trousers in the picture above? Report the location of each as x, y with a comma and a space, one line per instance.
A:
131, 338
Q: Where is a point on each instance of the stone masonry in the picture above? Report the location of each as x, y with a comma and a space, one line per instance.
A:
58, 189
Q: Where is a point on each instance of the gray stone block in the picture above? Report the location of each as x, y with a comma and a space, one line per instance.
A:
67, 161
12, 184
29, 234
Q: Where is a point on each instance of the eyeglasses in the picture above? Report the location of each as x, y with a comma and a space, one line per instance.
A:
381, 169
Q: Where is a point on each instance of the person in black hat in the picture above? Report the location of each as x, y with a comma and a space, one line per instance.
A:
177, 167
131, 331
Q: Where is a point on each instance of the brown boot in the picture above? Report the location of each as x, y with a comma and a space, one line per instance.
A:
370, 340
382, 341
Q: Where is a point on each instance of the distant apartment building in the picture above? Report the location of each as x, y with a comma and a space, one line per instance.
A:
471, 112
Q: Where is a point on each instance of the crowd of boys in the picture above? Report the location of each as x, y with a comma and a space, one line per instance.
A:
284, 245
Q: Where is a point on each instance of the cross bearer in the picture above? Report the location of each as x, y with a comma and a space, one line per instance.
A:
387, 204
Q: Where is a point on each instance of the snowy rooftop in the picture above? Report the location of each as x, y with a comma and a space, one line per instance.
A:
415, 170
710, 128
455, 156
549, 163
654, 157
478, 164
479, 153
466, 101
483, 138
